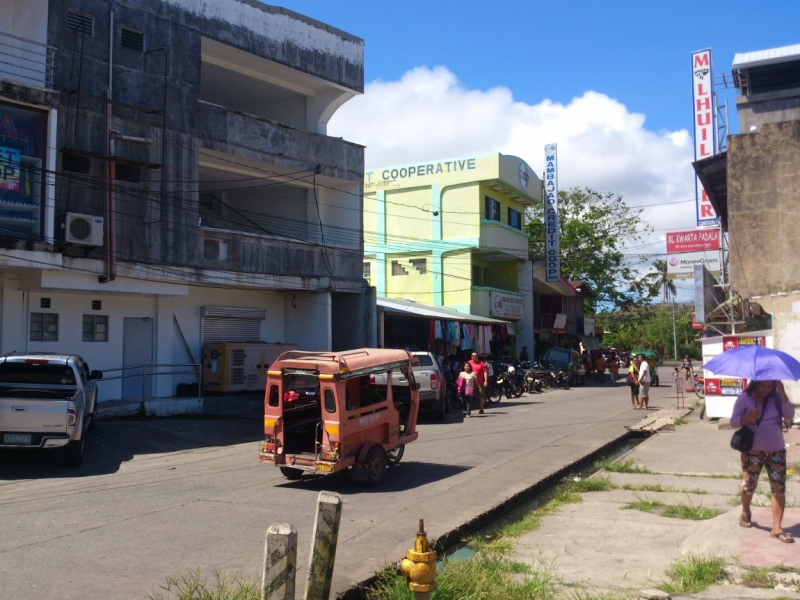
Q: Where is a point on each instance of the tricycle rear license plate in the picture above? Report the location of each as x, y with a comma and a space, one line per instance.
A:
17, 438
325, 468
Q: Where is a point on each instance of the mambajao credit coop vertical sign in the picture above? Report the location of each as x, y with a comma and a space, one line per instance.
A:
552, 243
705, 138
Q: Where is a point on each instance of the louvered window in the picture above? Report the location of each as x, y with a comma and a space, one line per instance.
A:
130, 38
80, 23
44, 303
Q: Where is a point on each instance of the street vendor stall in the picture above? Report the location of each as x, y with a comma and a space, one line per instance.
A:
721, 389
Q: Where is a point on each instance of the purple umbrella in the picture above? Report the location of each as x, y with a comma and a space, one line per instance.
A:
756, 363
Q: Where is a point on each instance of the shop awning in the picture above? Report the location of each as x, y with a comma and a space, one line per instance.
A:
417, 309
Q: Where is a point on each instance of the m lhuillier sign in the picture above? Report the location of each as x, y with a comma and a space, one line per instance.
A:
705, 139
552, 242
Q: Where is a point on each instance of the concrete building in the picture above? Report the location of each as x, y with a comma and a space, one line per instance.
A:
168, 182
755, 189
450, 233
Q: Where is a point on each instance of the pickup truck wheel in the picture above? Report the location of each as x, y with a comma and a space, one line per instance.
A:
376, 465
73, 453
291, 473
394, 455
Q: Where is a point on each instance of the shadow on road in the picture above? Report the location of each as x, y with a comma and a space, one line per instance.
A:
402, 477
112, 443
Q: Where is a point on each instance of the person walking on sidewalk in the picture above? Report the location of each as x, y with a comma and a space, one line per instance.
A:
688, 371
481, 372
762, 407
633, 381
466, 388
644, 381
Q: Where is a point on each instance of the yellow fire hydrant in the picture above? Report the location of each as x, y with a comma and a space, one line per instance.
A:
419, 566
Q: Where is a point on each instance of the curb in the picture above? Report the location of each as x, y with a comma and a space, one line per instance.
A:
356, 591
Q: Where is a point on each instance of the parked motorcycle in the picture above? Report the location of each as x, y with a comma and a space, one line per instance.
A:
561, 380
533, 384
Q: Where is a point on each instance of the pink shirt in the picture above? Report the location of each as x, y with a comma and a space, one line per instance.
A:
768, 434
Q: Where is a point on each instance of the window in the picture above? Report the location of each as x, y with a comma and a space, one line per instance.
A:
44, 303
75, 163
273, 395
420, 264
480, 276
129, 173
97, 305
330, 401
95, 328
515, 219
44, 327
80, 23
492, 209
130, 38
367, 270
397, 269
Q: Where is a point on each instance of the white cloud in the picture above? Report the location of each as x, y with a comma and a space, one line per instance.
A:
428, 114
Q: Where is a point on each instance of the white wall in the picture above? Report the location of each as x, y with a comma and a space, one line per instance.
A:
308, 320
525, 325
12, 319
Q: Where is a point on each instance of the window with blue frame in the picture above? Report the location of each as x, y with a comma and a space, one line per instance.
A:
515, 218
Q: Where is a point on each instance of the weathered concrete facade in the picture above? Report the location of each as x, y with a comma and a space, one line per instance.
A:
226, 191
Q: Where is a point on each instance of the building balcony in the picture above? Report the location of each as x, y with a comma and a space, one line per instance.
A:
26, 61
503, 239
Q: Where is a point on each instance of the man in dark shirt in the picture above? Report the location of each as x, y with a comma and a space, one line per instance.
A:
523, 356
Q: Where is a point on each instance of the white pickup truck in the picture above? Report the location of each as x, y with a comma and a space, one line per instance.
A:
432, 386
47, 401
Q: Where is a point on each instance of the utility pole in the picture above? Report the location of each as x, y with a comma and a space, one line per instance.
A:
674, 332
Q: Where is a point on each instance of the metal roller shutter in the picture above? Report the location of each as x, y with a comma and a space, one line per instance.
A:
223, 324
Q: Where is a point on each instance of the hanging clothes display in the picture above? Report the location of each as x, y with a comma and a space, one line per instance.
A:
466, 341
438, 331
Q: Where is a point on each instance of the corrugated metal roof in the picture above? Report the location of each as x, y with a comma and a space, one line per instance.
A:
772, 56
398, 305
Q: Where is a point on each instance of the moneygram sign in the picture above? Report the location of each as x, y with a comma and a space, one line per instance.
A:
705, 139
693, 241
681, 266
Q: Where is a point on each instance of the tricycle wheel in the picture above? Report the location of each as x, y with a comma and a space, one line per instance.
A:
291, 472
376, 465
395, 454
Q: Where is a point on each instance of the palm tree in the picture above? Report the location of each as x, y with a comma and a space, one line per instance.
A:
661, 279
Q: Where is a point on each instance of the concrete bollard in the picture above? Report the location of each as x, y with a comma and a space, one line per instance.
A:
280, 562
323, 546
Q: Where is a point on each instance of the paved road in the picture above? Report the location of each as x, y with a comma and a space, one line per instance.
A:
154, 498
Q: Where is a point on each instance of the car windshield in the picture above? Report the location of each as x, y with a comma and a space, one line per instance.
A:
36, 373
558, 355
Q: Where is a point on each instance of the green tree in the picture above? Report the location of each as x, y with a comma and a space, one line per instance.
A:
660, 279
596, 228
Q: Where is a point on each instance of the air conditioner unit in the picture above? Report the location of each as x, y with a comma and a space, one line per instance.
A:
86, 230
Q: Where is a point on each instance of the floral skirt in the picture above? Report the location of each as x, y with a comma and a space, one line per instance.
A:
773, 462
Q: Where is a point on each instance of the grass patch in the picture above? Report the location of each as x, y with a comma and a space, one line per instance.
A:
707, 475
690, 512
644, 505
621, 466
192, 586
591, 484
756, 577
485, 576
657, 487
693, 574
673, 511
735, 501
681, 421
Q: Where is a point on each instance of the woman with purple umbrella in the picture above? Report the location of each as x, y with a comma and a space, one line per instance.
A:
762, 407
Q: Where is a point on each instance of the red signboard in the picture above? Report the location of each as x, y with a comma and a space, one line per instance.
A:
725, 386
692, 241
730, 342
696, 325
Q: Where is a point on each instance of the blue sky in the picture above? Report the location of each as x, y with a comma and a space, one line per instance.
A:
636, 52
610, 82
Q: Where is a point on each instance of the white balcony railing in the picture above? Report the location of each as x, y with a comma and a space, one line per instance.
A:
26, 61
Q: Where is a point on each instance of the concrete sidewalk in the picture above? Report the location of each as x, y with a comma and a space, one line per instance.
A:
599, 545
